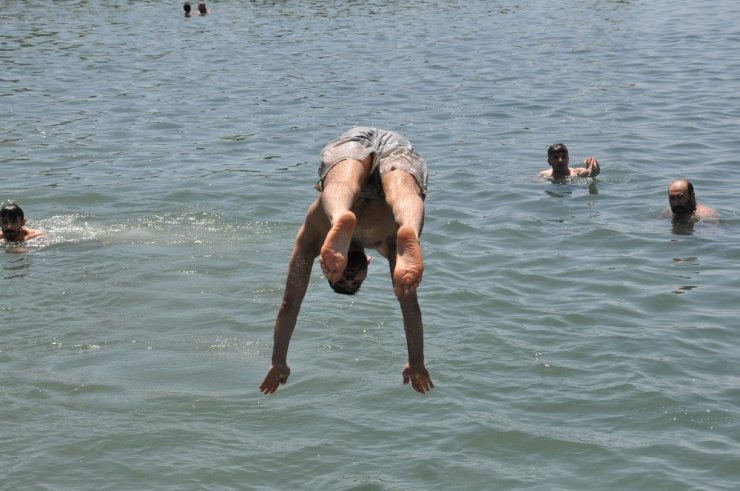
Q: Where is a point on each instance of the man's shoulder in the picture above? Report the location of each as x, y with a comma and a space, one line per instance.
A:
705, 212
32, 233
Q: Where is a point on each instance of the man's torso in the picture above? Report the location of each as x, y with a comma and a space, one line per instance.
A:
375, 224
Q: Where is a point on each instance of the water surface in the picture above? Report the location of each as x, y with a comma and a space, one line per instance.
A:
576, 340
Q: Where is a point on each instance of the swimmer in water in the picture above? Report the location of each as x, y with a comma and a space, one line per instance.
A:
683, 205
557, 157
202, 9
13, 224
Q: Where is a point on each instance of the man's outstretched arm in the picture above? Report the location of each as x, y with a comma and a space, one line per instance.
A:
414, 372
592, 168
299, 274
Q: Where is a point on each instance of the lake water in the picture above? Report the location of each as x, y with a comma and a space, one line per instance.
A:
576, 340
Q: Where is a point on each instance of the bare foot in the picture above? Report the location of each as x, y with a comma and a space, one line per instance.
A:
333, 257
409, 263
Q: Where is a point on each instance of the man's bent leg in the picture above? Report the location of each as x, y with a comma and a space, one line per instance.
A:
403, 196
341, 187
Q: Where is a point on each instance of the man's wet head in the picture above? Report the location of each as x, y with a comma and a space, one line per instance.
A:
12, 221
681, 197
354, 274
557, 155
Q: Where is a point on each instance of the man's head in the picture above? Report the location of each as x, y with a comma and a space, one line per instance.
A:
12, 221
681, 197
557, 157
354, 274
202, 8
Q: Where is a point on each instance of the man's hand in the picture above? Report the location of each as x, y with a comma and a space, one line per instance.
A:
592, 166
276, 375
419, 378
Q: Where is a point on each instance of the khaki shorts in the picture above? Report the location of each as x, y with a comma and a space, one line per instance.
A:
390, 151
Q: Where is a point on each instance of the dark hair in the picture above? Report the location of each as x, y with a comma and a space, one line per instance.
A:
11, 211
556, 147
356, 260
186, 6
202, 8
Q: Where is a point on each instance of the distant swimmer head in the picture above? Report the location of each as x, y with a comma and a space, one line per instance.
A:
12, 220
187, 8
681, 197
557, 150
202, 9
557, 157
354, 274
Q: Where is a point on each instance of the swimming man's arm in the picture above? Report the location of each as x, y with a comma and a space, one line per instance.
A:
32, 233
545, 173
592, 168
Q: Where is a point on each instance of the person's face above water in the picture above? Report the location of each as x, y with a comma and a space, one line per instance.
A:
680, 200
558, 160
12, 229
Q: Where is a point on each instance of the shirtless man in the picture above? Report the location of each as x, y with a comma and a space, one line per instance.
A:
557, 157
12, 223
371, 195
683, 205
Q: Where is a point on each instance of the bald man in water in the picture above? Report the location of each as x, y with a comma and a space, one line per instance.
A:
372, 186
683, 205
